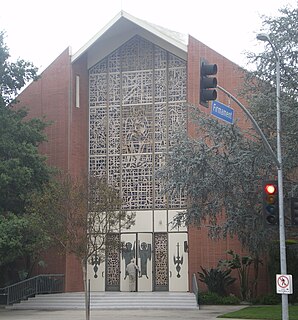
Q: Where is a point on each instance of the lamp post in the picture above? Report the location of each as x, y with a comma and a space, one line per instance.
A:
282, 240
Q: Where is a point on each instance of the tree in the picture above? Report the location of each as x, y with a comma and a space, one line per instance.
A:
261, 95
221, 168
22, 169
21, 241
80, 215
13, 75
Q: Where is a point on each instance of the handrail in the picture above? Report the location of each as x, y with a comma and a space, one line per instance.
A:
195, 288
43, 283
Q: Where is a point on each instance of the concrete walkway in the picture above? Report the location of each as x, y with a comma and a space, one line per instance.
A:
204, 313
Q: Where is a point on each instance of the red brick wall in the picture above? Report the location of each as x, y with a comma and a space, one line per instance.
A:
49, 97
79, 120
53, 97
203, 251
78, 155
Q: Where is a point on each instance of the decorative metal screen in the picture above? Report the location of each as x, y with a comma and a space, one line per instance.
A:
161, 261
113, 263
137, 101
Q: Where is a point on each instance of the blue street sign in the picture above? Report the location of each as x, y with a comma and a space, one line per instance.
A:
222, 111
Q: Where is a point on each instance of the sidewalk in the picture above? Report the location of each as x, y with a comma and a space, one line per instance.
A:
204, 313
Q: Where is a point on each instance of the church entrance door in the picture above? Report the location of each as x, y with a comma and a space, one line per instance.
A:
137, 246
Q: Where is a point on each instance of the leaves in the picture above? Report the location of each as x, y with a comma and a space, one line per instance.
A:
13, 75
19, 236
217, 280
261, 95
218, 170
79, 214
221, 167
22, 169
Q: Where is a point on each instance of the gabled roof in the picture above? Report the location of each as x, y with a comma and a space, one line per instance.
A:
124, 22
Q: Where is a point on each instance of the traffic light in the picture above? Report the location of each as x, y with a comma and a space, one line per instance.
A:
270, 202
294, 211
207, 84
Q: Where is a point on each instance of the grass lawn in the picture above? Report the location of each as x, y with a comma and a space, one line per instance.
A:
262, 312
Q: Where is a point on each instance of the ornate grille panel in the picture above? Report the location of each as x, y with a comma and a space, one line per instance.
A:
137, 174
161, 261
114, 130
160, 200
113, 263
98, 132
137, 101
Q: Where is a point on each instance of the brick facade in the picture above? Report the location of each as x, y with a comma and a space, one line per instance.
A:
203, 251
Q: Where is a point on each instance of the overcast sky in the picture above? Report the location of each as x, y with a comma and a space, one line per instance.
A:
39, 30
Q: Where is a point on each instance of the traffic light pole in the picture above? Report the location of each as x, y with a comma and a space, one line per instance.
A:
278, 161
282, 237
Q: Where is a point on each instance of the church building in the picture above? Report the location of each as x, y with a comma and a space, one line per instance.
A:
114, 106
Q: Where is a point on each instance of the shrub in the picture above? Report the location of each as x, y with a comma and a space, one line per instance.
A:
230, 300
210, 298
269, 299
242, 265
214, 298
217, 280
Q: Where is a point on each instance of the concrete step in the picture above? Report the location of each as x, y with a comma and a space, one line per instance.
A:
110, 300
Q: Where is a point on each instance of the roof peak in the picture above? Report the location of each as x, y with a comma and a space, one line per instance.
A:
177, 39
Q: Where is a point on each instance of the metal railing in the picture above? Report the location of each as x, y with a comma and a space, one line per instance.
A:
44, 283
195, 288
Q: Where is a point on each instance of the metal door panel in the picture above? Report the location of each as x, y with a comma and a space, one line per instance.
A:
178, 262
137, 246
96, 274
144, 261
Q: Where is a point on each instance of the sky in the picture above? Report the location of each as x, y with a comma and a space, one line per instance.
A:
39, 30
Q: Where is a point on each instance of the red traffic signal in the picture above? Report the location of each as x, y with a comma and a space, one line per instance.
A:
270, 188
270, 202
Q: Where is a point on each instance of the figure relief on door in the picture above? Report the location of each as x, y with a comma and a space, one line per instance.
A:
128, 254
144, 254
137, 247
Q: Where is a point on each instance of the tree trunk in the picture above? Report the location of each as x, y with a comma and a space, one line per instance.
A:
84, 268
256, 276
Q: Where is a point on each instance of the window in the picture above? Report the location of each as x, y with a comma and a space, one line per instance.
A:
77, 92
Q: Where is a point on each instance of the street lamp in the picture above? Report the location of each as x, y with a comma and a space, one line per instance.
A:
282, 240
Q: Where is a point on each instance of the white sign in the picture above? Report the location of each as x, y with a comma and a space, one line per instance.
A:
284, 284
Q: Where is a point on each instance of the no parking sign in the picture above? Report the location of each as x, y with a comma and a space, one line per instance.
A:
284, 284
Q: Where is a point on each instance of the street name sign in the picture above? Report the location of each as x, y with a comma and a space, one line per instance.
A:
223, 112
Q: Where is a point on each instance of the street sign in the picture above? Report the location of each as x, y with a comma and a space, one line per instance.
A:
223, 112
284, 284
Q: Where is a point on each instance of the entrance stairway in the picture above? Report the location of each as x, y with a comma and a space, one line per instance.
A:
110, 300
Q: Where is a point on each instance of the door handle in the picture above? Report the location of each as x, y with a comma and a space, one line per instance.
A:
102, 274
170, 274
